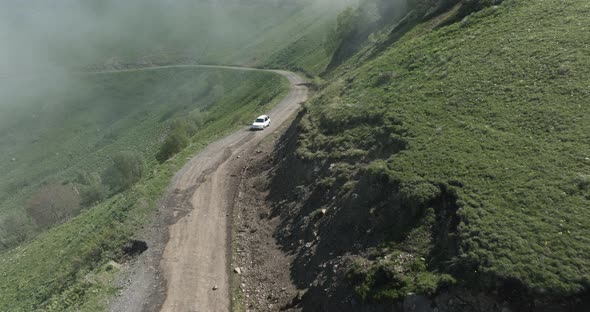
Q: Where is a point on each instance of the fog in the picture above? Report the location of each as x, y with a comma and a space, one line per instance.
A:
48, 47
40, 35
56, 38
63, 36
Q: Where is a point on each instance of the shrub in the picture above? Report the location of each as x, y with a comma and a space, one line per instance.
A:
54, 204
184, 125
347, 22
173, 144
14, 229
91, 188
198, 118
92, 194
126, 169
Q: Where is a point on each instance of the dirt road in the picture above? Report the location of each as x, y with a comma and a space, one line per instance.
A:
194, 263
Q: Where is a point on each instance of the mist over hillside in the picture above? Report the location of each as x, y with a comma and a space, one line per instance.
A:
440, 163
41, 35
45, 47
40, 39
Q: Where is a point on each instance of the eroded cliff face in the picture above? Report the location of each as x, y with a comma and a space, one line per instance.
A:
348, 238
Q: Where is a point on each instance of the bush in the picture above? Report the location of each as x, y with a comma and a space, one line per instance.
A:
92, 194
199, 118
125, 170
347, 22
173, 144
184, 125
91, 188
54, 204
14, 229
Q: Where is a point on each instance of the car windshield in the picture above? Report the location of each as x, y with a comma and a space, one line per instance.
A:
259, 120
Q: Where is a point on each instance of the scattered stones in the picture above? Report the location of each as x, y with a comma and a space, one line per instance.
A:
300, 295
112, 265
262, 272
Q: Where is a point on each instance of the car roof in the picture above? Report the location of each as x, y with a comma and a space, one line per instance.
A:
262, 116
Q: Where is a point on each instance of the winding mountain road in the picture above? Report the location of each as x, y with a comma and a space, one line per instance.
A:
194, 262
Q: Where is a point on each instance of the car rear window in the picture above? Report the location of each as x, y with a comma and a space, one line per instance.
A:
259, 120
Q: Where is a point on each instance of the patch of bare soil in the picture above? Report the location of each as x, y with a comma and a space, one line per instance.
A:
261, 268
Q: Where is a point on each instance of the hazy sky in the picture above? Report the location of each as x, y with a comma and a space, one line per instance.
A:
59, 36
41, 34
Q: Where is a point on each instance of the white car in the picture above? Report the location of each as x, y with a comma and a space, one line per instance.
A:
261, 122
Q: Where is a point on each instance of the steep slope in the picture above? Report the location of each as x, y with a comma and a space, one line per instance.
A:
77, 124
456, 157
66, 268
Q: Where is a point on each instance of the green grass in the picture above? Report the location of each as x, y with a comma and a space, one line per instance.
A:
485, 121
66, 268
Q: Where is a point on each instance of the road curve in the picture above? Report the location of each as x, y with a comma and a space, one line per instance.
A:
194, 262
196, 257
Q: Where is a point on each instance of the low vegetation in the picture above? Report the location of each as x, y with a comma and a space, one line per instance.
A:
174, 143
53, 204
124, 171
465, 140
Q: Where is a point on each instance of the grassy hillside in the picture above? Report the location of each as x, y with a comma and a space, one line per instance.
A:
59, 130
51, 138
39, 149
459, 155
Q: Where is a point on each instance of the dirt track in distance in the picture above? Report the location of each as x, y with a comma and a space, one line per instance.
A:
184, 265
